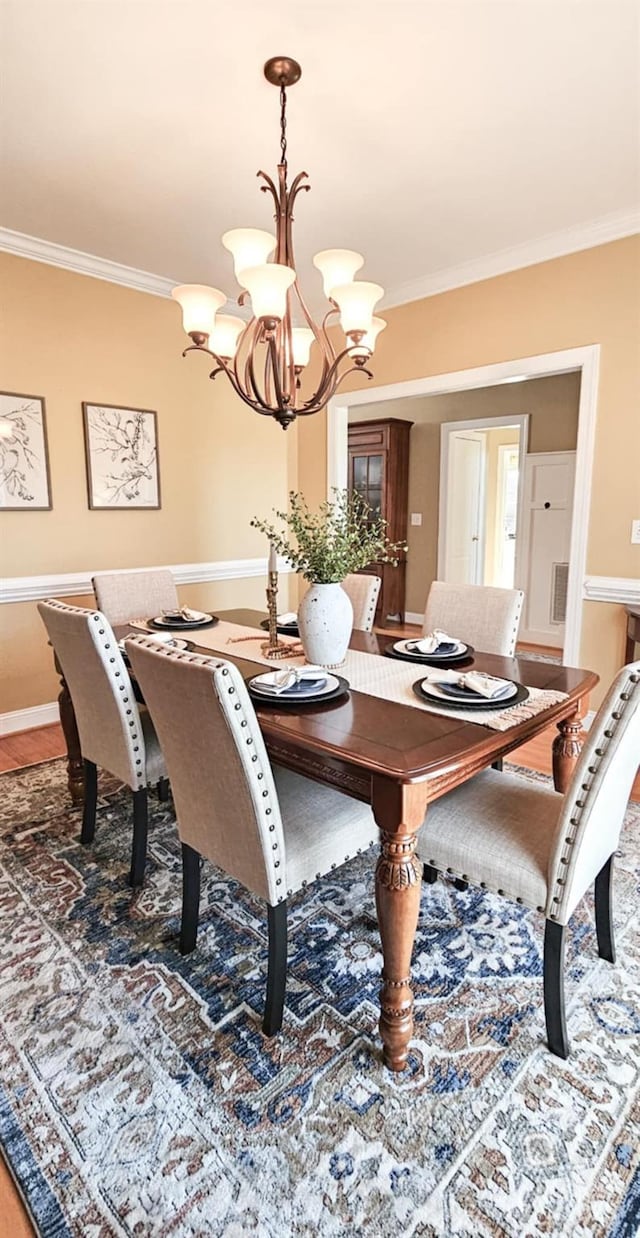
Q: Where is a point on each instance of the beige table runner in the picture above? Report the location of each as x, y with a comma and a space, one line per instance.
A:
374, 675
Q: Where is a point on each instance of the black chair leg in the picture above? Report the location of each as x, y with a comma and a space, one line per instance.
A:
190, 899
557, 1039
497, 764
163, 790
90, 802
139, 848
277, 972
429, 874
604, 919
461, 884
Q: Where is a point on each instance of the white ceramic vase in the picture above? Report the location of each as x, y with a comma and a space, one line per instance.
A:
325, 623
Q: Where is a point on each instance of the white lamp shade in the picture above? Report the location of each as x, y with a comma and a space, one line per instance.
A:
224, 339
368, 342
267, 286
250, 248
356, 302
199, 306
337, 267
302, 339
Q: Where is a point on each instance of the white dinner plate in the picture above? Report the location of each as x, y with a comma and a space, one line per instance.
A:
163, 638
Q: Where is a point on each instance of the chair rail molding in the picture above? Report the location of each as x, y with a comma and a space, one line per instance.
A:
622, 589
77, 584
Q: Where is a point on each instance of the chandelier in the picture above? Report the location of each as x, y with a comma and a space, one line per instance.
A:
264, 358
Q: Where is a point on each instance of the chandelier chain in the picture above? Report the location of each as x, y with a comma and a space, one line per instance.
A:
283, 124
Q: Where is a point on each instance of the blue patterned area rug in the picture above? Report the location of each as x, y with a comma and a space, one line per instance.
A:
139, 1097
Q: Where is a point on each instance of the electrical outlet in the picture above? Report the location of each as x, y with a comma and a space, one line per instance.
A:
635, 531
416, 518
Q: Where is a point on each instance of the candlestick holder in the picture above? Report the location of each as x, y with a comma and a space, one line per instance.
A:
274, 648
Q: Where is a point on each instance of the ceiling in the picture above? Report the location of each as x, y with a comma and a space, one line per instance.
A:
435, 132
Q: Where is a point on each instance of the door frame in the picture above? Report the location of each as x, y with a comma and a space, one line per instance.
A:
447, 428
585, 359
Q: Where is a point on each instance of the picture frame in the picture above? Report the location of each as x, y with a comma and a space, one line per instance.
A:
25, 479
121, 451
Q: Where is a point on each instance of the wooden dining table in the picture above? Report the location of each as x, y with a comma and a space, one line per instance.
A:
398, 759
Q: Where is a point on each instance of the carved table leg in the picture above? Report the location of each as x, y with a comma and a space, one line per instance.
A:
567, 747
399, 811
75, 768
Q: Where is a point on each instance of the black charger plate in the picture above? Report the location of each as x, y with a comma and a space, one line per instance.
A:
285, 629
262, 698
430, 659
183, 625
521, 695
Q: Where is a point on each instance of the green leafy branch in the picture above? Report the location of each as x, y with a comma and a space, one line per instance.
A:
343, 535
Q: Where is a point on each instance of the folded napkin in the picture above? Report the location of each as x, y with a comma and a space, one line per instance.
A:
292, 677
288, 618
432, 642
488, 686
184, 612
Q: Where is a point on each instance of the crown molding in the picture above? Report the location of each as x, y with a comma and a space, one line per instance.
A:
553, 245
35, 248
544, 248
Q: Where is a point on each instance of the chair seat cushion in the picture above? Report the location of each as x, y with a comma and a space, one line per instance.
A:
497, 830
155, 767
322, 827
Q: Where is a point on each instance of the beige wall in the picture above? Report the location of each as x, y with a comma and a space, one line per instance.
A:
71, 338
592, 297
552, 405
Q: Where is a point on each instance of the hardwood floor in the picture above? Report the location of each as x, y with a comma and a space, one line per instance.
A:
43, 743
31, 747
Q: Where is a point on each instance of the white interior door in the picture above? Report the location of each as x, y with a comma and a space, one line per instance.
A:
464, 553
543, 551
506, 526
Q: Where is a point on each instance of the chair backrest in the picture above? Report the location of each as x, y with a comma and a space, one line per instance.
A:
363, 593
104, 703
122, 596
223, 789
594, 806
483, 616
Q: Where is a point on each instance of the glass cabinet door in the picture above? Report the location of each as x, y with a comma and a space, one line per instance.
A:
367, 475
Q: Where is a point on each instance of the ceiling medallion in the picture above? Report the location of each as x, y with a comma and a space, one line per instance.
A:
264, 357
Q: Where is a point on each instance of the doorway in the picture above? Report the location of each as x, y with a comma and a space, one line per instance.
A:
482, 465
583, 361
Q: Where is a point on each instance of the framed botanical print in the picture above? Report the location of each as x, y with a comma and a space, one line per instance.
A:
25, 484
121, 447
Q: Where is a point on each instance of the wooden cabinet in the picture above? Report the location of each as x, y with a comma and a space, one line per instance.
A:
379, 471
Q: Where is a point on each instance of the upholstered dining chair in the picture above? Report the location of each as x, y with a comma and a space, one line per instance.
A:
115, 733
122, 596
523, 841
363, 593
272, 830
483, 616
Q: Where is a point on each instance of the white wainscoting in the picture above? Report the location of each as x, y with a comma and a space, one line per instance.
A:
78, 584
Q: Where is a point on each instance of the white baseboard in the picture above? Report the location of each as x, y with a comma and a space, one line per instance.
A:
414, 616
27, 719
